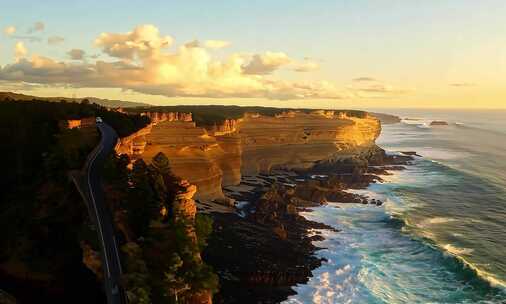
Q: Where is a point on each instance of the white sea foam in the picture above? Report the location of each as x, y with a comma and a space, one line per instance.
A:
460, 254
456, 250
369, 261
435, 221
343, 270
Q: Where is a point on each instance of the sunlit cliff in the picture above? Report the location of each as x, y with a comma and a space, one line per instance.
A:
218, 155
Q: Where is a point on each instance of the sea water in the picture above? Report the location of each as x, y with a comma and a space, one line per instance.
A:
440, 237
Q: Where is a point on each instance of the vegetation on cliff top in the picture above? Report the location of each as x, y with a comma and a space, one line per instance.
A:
162, 242
208, 115
41, 213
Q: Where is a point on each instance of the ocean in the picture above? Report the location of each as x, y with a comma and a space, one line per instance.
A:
440, 236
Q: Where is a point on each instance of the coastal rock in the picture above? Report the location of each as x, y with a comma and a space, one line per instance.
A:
387, 119
300, 140
218, 155
439, 123
91, 259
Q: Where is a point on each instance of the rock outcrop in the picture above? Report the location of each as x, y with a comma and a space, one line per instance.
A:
91, 259
438, 123
135, 143
298, 140
218, 155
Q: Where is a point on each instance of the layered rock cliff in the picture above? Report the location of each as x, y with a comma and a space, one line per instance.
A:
218, 155
298, 140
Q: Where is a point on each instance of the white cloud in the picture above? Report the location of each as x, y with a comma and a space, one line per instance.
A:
306, 66
54, 40
143, 41
364, 79
143, 63
266, 63
192, 44
462, 84
37, 27
10, 30
20, 50
368, 87
76, 54
216, 44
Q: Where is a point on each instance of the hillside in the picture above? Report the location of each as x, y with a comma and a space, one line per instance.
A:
103, 102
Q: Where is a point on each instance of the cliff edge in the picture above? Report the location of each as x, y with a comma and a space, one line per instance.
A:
220, 154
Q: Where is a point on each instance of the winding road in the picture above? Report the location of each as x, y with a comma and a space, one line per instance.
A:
101, 215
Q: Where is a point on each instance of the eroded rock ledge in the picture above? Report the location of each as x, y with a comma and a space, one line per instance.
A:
219, 155
264, 249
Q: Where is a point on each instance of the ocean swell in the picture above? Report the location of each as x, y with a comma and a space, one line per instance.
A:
379, 256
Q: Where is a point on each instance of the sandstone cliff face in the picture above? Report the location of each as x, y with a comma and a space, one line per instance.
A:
194, 155
219, 155
298, 140
135, 143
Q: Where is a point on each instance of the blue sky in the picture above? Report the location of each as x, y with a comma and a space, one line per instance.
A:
420, 47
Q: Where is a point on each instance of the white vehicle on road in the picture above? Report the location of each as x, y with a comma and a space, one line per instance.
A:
99, 119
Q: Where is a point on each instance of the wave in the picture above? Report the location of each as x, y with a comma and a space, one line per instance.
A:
456, 250
423, 234
463, 127
460, 253
434, 221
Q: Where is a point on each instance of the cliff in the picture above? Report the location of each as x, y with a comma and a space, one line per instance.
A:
300, 140
135, 143
219, 155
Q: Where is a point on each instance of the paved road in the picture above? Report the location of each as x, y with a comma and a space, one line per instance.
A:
111, 262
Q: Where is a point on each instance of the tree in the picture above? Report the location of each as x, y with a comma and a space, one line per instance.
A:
160, 163
164, 183
141, 204
204, 228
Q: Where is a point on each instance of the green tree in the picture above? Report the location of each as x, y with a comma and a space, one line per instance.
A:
204, 228
135, 281
164, 182
142, 206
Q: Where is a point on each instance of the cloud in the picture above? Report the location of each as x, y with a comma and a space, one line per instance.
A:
368, 87
27, 38
142, 62
54, 40
76, 54
36, 27
10, 30
15, 86
143, 41
306, 66
363, 79
20, 50
216, 44
266, 63
210, 44
192, 44
462, 84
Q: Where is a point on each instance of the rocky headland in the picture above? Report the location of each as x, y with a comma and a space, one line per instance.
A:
265, 247
218, 155
254, 174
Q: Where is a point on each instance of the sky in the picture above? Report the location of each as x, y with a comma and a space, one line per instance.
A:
317, 54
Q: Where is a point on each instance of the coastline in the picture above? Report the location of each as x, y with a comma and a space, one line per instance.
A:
266, 247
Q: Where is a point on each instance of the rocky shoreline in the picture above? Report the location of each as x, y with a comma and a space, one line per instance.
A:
265, 248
